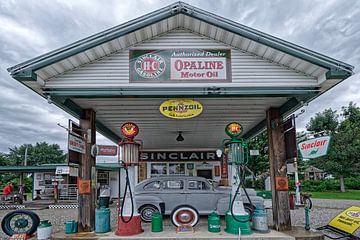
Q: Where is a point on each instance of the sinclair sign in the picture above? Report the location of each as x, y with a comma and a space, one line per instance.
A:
314, 148
180, 65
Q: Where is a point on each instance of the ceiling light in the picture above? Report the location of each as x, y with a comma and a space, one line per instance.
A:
180, 138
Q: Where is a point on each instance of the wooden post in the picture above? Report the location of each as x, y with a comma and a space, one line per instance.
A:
278, 171
87, 173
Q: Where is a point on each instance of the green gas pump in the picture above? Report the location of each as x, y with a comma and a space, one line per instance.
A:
236, 151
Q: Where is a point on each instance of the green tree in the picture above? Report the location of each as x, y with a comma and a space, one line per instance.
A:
326, 121
342, 160
40, 153
258, 164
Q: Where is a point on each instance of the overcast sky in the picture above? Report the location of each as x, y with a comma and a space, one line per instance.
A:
31, 28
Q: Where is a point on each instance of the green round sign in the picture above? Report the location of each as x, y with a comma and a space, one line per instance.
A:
233, 129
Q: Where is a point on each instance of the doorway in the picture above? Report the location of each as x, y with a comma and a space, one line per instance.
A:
206, 173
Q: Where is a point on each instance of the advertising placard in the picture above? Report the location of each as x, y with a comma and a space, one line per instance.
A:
107, 150
314, 148
347, 221
179, 65
76, 144
181, 108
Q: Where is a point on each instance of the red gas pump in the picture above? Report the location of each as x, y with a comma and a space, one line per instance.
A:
129, 220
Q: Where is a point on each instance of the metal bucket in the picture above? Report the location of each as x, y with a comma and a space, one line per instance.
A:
214, 222
156, 222
260, 221
102, 220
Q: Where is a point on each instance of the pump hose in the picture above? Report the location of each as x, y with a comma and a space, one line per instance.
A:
233, 201
127, 185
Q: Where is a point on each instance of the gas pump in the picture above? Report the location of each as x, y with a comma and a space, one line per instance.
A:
129, 220
236, 149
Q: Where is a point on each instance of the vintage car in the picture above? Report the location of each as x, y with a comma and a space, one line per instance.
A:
185, 198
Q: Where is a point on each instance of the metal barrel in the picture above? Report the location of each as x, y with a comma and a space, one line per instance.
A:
259, 220
156, 222
102, 220
214, 224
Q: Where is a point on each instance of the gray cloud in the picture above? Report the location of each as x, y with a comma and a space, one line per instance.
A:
31, 28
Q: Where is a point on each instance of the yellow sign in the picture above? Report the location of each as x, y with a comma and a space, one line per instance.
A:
347, 221
181, 108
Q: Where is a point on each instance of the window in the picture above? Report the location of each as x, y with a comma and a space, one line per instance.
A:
198, 185
173, 184
155, 185
158, 169
177, 168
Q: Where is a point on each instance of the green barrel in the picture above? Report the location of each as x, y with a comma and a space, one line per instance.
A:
156, 222
233, 226
102, 220
214, 223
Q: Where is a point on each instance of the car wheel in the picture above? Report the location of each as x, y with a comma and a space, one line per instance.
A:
147, 211
20, 221
184, 215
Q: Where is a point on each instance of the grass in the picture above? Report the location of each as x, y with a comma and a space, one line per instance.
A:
348, 195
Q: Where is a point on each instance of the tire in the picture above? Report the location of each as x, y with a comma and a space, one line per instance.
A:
146, 212
20, 221
307, 202
249, 210
184, 215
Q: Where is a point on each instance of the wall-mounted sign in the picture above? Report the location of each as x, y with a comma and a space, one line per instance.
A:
67, 170
129, 129
178, 156
104, 150
281, 183
315, 147
181, 108
199, 65
76, 144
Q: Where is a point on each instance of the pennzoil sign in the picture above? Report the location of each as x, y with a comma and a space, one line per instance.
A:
181, 108
180, 65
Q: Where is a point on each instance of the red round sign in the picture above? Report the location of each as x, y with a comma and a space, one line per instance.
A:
129, 129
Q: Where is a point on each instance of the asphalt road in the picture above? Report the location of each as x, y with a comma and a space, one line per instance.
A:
323, 211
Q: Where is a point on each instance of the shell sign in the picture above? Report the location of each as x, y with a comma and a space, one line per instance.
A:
181, 108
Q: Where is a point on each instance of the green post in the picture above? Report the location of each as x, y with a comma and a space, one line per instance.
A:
307, 222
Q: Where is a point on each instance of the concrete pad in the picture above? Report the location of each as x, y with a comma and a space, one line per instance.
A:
169, 232
301, 234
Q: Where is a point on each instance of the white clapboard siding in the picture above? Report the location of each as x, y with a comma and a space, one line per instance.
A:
113, 70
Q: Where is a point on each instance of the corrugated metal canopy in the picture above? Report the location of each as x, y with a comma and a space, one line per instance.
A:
158, 131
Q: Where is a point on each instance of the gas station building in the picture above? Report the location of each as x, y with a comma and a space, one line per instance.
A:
182, 74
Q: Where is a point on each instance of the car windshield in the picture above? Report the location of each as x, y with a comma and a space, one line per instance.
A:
155, 185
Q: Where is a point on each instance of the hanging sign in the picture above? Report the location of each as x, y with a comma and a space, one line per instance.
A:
347, 221
199, 65
181, 108
314, 148
76, 144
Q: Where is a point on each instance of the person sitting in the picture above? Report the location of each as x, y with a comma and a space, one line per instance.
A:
8, 190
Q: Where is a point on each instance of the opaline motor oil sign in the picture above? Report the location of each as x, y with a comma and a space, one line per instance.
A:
315, 147
190, 65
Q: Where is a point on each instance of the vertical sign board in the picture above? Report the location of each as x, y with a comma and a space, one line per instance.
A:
314, 148
290, 139
180, 65
76, 145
